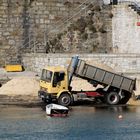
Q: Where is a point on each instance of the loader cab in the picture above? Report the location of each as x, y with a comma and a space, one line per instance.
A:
53, 80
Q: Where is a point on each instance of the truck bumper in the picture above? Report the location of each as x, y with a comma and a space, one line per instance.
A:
47, 96
44, 95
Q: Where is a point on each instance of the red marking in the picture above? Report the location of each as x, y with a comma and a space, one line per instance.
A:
92, 93
138, 23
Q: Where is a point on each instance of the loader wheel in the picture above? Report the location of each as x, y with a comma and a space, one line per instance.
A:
112, 98
125, 99
64, 99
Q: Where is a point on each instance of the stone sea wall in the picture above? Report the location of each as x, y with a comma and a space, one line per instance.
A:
27, 25
121, 63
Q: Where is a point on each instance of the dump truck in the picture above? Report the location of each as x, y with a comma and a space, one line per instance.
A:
55, 84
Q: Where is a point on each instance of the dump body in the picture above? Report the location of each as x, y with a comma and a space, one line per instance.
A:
103, 77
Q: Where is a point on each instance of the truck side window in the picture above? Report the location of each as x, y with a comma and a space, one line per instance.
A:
58, 77
55, 79
61, 76
46, 75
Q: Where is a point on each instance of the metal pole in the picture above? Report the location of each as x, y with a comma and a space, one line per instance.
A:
34, 46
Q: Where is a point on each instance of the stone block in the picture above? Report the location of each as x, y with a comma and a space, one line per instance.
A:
6, 33
41, 21
46, 12
62, 9
47, 21
51, 17
37, 21
59, 5
39, 3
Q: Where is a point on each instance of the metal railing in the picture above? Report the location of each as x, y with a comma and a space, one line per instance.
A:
32, 43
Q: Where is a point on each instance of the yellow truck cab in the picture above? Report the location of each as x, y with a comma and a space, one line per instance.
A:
54, 85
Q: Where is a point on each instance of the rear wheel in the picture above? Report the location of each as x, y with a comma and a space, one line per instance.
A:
112, 98
65, 99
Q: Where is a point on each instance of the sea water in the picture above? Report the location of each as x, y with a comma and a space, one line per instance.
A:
83, 123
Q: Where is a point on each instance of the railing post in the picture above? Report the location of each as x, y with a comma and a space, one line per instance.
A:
29, 42
34, 46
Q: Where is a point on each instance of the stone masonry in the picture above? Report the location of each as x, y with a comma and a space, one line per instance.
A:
25, 25
121, 63
125, 31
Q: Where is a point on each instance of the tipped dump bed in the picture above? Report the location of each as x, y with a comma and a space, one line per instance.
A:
101, 76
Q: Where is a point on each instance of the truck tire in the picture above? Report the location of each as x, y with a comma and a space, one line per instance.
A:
65, 99
112, 98
125, 99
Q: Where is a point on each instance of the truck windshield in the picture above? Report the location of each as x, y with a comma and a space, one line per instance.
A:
46, 75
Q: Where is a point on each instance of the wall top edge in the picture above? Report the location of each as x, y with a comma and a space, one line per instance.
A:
81, 55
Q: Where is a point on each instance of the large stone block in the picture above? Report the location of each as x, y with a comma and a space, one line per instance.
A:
39, 3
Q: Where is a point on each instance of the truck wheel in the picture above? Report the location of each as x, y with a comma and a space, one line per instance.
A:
64, 99
112, 98
125, 99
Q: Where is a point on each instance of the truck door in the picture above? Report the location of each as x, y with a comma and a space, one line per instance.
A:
59, 82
